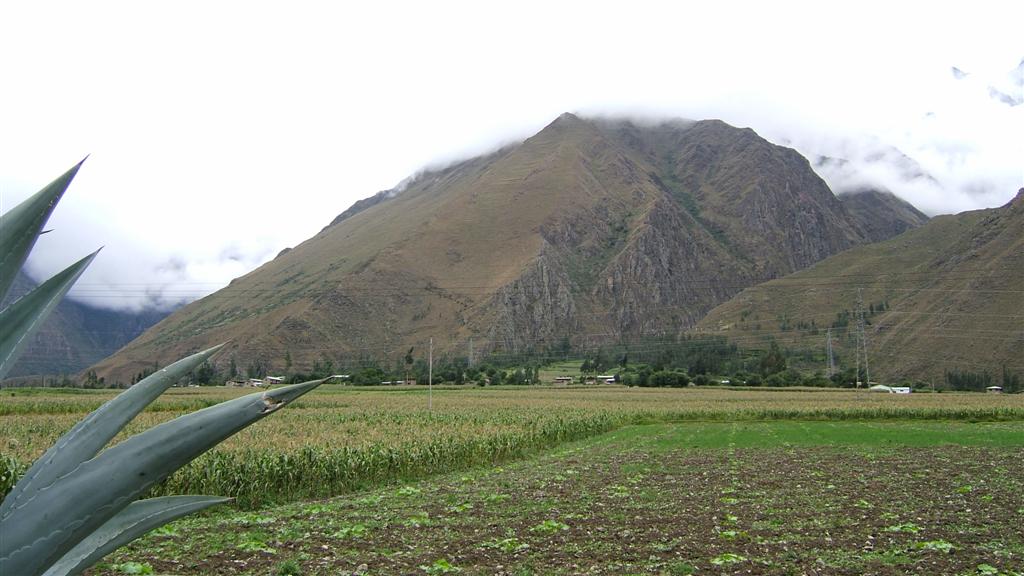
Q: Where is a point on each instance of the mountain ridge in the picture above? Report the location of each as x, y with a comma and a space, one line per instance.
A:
587, 229
944, 296
882, 214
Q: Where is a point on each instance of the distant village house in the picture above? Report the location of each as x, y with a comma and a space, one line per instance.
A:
890, 389
254, 382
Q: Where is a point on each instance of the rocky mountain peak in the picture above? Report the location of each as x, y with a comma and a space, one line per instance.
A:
591, 226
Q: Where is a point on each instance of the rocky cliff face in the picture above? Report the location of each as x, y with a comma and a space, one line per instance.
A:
881, 214
762, 202
590, 229
668, 274
539, 306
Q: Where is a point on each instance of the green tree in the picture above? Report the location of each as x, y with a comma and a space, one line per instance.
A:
494, 375
92, 381
667, 378
1011, 382
257, 368
773, 362
516, 377
408, 359
643, 376
967, 380
369, 376
564, 347
205, 374
322, 368
421, 370
846, 378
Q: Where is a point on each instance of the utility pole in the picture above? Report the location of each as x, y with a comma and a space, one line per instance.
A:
831, 363
430, 377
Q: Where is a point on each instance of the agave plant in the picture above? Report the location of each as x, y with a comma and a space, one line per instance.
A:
78, 502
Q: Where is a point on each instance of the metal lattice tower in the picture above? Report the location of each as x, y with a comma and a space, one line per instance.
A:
831, 362
862, 342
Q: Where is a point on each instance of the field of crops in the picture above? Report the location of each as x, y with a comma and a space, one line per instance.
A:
340, 439
755, 497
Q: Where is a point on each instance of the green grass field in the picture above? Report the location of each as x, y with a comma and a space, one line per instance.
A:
682, 498
794, 434
547, 374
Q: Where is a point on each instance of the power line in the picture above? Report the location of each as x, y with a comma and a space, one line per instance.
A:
488, 288
743, 336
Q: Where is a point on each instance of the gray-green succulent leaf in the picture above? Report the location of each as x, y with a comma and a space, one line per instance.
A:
134, 521
23, 318
78, 501
21, 226
92, 433
48, 524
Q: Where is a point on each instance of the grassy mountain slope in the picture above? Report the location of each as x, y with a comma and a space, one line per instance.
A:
945, 296
591, 229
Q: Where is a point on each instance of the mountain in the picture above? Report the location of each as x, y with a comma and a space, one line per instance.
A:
76, 335
590, 230
881, 214
945, 296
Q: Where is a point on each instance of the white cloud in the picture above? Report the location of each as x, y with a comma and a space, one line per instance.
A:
240, 128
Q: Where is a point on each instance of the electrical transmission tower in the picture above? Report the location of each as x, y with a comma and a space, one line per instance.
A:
862, 342
831, 362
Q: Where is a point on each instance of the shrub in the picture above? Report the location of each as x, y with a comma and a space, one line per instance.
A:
667, 378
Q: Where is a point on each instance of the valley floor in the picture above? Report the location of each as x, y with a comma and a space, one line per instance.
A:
782, 497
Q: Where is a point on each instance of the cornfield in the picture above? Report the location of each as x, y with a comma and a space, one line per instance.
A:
341, 439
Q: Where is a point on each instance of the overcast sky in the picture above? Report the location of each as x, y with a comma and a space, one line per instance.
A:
223, 132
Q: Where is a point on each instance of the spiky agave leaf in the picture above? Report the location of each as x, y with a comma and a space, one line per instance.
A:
93, 432
23, 318
138, 518
44, 527
20, 226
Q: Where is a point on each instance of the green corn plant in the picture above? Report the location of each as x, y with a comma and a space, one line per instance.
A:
79, 502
